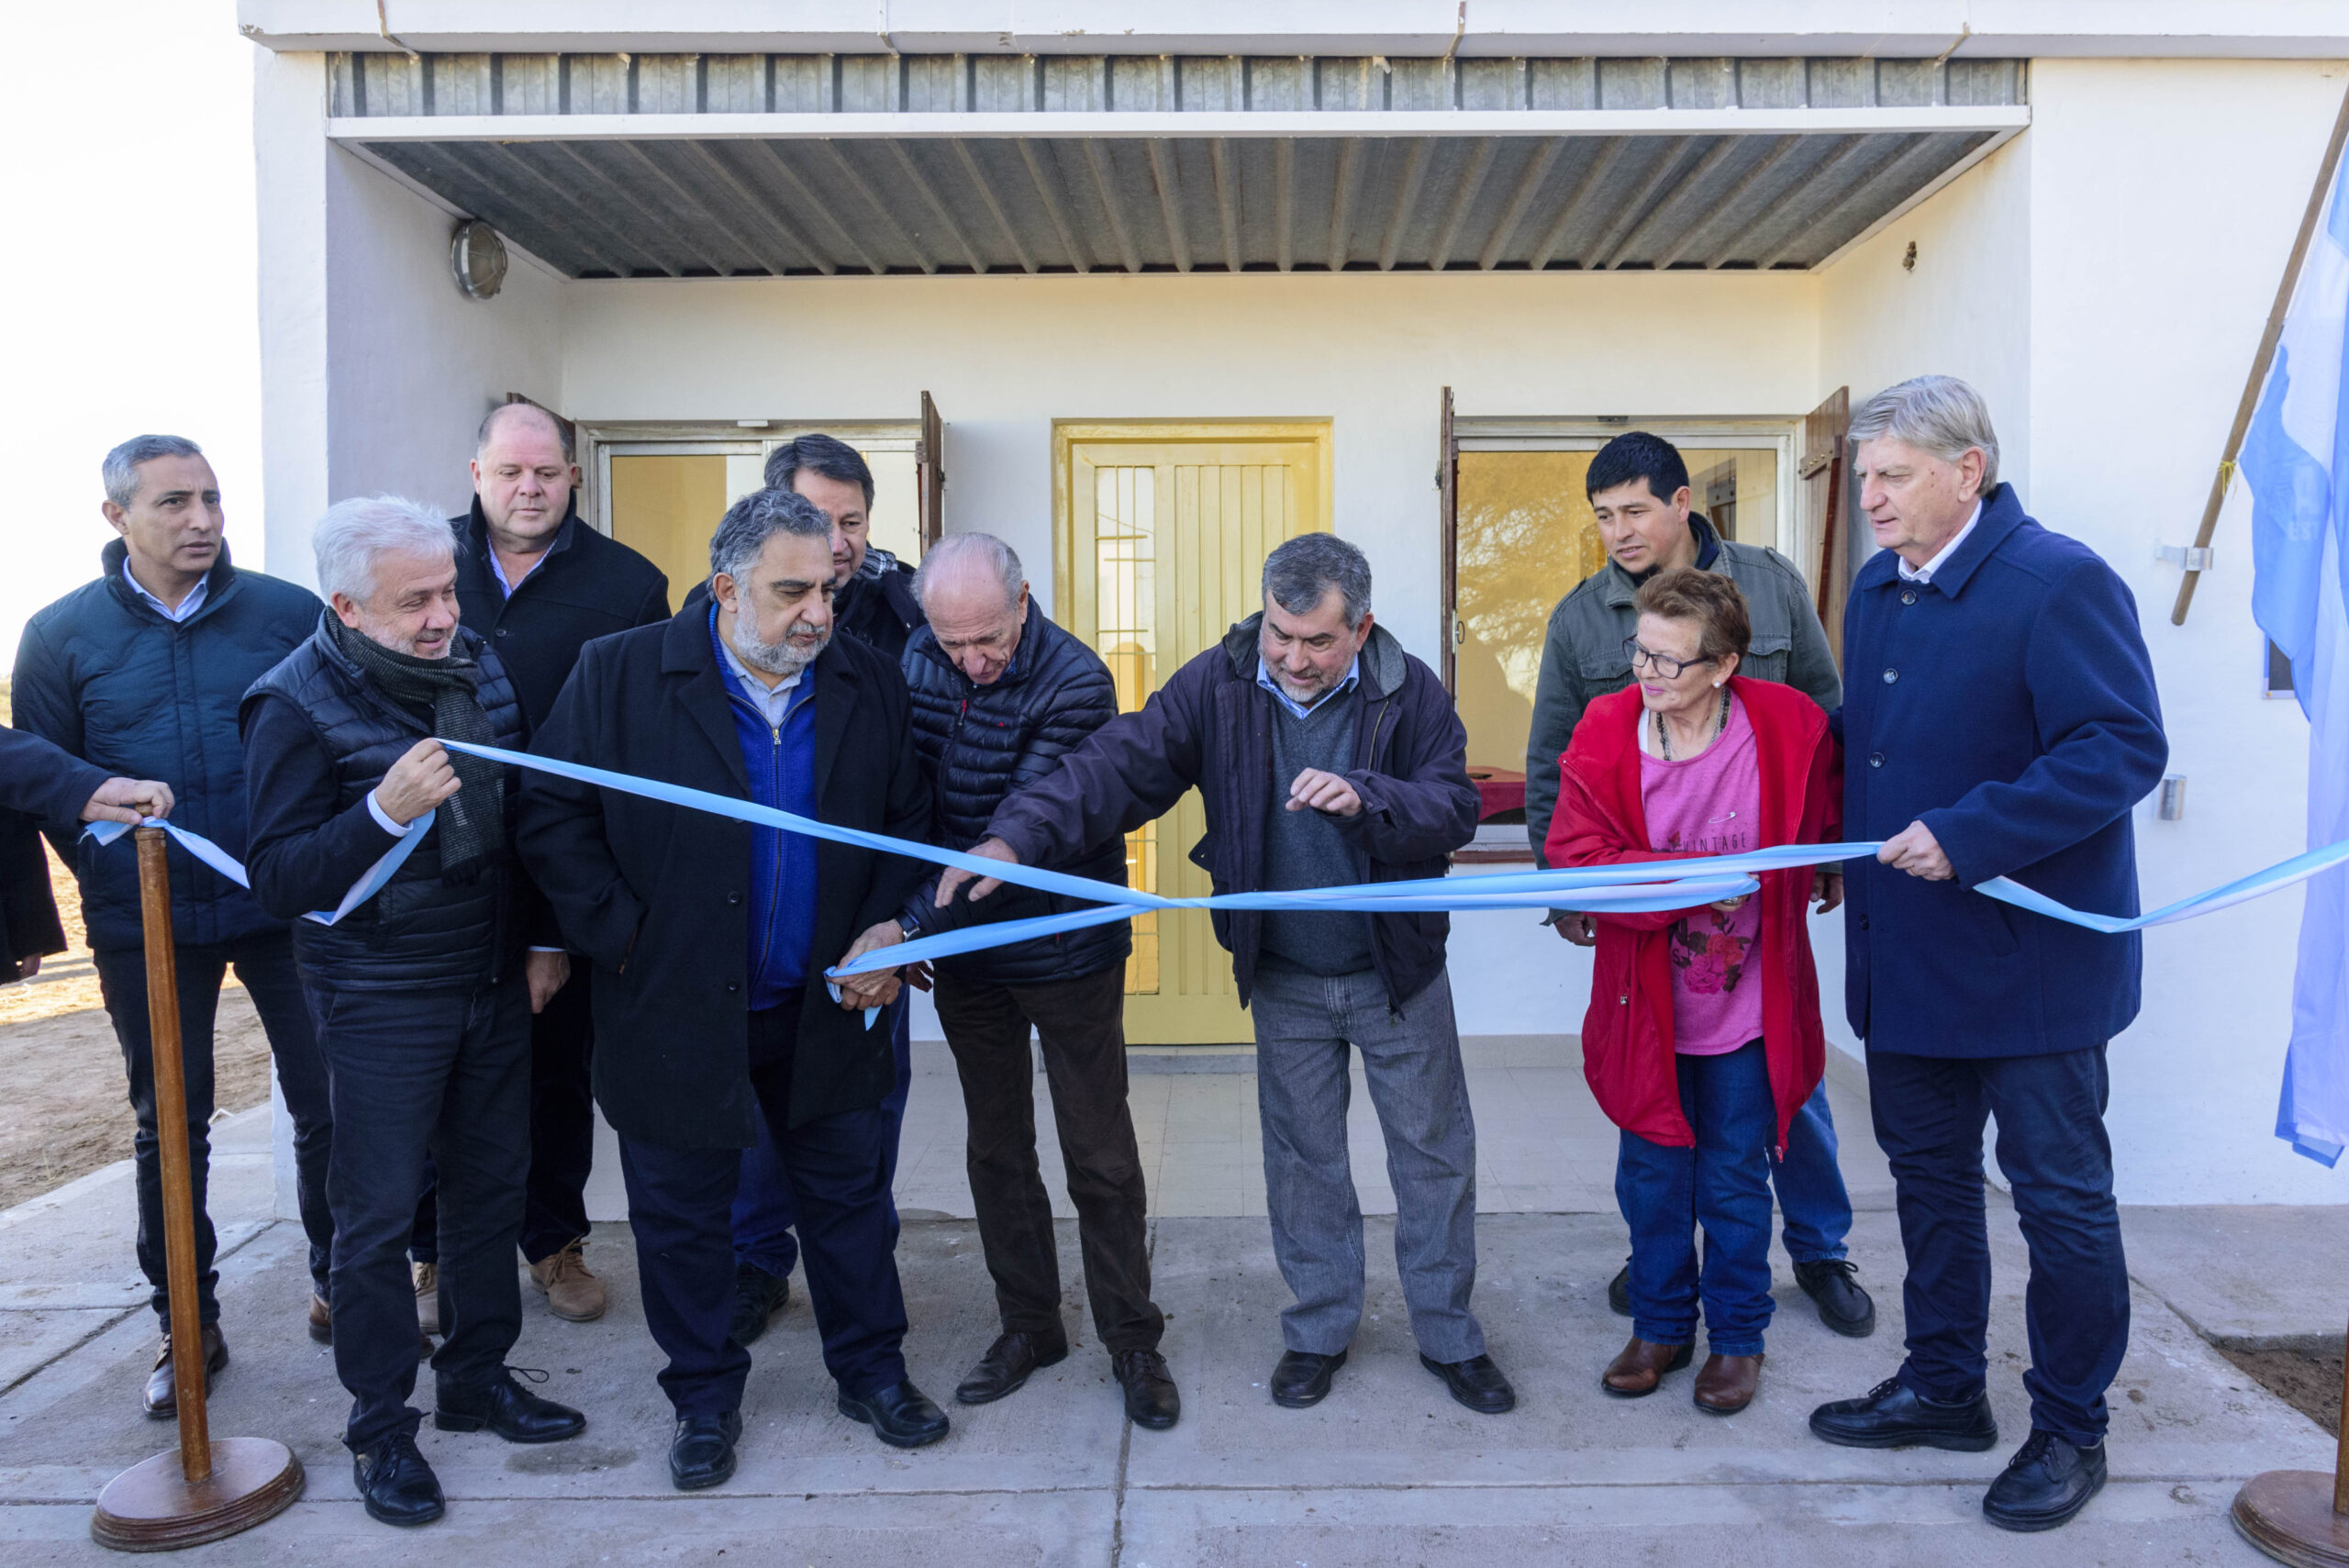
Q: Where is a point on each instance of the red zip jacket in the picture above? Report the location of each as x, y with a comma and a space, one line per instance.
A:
1627, 1036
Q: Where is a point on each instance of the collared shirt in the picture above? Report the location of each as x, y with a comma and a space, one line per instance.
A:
1265, 679
773, 702
1925, 573
188, 607
497, 568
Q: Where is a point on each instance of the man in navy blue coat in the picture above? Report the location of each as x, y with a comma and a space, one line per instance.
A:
1999, 719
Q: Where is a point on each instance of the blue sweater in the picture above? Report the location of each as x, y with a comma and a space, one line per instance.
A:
2009, 705
782, 766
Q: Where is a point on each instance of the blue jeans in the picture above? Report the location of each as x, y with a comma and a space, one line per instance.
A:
765, 1209
1930, 1112
1813, 1203
1721, 1185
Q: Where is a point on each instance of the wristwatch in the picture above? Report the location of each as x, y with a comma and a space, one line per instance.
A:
909, 928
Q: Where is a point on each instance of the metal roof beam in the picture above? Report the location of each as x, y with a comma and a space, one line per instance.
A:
1850, 198
1098, 161
1480, 162
937, 204
856, 183
1628, 213
1537, 169
1571, 208
1342, 205
1737, 192
979, 183
1407, 197
687, 199
809, 202
710, 164
459, 157
1227, 200
1170, 203
1680, 187
1078, 257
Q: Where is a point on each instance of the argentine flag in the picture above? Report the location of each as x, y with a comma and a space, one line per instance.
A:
2295, 483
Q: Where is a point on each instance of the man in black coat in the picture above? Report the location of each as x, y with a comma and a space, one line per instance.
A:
710, 939
42, 782
873, 601
1326, 756
140, 673
539, 585
421, 990
1000, 695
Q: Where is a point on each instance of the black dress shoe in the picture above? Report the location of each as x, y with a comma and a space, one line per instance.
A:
395, 1483
163, 1397
901, 1417
1476, 1383
509, 1410
1842, 1305
1151, 1398
1619, 1291
1302, 1378
2045, 1483
1894, 1416
758, 1296
702, 1453
1007, 1366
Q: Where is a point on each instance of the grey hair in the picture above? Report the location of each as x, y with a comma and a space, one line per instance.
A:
354, 532
120, 469
999, 557
1300, 572
489, 423
1939, 414
758, 517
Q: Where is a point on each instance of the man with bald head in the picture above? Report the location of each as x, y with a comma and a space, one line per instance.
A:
1000, 695
537, 584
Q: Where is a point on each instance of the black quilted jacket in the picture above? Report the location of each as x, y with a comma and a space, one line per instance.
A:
979, 744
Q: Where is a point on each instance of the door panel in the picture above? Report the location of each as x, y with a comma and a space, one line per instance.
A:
665, 505
1163, 534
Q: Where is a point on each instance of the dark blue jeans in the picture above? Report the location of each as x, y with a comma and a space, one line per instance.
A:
1814, 1207
763, 1210
265, 966
1722, 1186
679, 1201
1929, 1116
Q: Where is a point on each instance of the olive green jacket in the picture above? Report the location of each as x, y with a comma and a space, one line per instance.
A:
1582, 658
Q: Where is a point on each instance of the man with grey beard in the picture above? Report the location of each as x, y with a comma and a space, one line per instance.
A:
710, 939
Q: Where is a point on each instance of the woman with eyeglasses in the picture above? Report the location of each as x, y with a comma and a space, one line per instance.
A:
1703, 1037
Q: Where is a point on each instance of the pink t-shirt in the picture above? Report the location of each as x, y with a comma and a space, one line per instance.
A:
1710, 804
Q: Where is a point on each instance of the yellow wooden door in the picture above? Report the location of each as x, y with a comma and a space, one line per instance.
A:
1161, 535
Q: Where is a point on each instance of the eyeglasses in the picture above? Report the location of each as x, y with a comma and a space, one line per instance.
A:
1670, 669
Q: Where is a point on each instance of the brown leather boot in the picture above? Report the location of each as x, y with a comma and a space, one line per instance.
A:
1726, 1383
1640, 1369
572, 1294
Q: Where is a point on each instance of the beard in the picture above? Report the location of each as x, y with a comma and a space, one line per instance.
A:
777, 658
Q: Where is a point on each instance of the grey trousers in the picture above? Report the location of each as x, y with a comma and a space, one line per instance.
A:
1411, 1062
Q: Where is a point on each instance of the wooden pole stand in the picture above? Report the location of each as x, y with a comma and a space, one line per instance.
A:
203, 1490
2301, 1517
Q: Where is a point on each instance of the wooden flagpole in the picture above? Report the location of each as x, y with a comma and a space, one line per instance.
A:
202, 1490
2262, 359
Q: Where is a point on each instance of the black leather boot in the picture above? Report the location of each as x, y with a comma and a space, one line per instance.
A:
1007, 1365
162, 1399
509, 1410
396, 1484
1892, 1415
1843, 1307
2047, 1480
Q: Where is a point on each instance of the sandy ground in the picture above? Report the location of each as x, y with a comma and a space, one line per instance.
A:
63, 1109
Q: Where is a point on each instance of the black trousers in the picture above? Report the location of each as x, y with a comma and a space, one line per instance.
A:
1081, 1024
680, 1203
265, 964
562, 1131
1929, 1116
444, 1072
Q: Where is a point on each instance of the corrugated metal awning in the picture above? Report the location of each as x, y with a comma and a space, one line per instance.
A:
758, 166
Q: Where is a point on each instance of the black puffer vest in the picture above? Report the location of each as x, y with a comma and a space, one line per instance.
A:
979, 744
417, 933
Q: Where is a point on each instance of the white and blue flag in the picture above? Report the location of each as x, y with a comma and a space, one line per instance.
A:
2295, 482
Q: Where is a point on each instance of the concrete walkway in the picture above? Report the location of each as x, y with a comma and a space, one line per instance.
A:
1388, 1470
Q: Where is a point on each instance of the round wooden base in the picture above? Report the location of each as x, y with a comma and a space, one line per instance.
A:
2288, 1514
151, 1506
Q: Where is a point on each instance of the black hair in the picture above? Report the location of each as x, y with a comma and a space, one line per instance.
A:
835, 460
1636, 455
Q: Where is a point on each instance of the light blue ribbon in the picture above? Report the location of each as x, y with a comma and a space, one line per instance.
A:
1642, 887
224, 862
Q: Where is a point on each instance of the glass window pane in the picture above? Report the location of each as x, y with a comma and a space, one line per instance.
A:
1526, 538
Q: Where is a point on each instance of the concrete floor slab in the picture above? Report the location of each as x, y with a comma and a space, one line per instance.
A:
2280, 1282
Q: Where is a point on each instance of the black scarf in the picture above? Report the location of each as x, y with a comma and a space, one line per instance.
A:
472, 821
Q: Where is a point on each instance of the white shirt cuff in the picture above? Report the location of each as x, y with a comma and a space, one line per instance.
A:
383, 819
